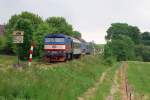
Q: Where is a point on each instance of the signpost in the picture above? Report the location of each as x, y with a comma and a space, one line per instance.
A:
18, 39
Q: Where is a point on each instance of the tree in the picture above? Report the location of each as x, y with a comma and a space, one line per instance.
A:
76, 34
108, 51
35, 29
117, 29
121, 48
143, 52
60, 25
2, 42
145, 38
42, 30
34, 20
23, 49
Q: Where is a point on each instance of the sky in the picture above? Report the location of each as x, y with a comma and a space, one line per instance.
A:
91, 17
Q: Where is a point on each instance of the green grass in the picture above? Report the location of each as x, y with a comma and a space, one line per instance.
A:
7, 60
139, 77
66, 81
104, 89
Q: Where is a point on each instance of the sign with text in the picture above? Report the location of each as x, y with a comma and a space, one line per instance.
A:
18, 36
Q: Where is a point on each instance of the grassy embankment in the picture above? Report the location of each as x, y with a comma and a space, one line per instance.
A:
103, 91
139, 78
64, 81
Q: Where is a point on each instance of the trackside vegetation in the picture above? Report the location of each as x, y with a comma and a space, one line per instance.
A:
104, 88
139, 78
35, 29
70, 80
126, 42
64, 81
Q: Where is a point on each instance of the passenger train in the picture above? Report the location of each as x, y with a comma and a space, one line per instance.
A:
60, 47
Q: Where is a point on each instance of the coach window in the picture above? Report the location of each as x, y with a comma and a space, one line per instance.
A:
76, 45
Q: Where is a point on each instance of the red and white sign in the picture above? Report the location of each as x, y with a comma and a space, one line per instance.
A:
54, 47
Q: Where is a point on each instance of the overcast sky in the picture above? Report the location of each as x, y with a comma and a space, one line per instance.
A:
91, 17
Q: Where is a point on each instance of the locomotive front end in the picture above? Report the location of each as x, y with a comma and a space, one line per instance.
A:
55, 48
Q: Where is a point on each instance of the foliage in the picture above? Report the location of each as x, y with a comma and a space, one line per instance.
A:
143, 52
108, 54
35, 19
76, 34
117, 29
15, 22
42, 30
145, 38
23, 49
60, 25
108, 51
26, 22
121, 48
35, 29
2, 42
65, 81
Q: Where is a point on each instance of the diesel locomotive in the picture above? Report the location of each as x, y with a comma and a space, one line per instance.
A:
60, 47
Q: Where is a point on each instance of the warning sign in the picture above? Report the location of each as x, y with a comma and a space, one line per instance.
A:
18, 36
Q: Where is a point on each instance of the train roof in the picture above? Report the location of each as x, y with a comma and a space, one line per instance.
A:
75, 40
56, 35
63, 36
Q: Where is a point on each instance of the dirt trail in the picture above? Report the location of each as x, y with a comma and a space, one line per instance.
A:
114, 88
91, 91
125, 90
120, 84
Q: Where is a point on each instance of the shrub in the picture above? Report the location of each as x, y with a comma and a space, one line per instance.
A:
2, 43
27, 22
121, 48
143, 52
38, 37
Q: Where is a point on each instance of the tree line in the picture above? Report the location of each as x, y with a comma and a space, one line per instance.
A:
126, 42
35, 28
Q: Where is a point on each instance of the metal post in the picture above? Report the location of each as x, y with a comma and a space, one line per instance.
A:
30, 56
18, 54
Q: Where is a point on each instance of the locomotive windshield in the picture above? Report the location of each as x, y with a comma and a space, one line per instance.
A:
54, 40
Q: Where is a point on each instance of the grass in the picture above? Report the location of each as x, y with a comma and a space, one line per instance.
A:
65, 81
7, 60
104, 89
139, 77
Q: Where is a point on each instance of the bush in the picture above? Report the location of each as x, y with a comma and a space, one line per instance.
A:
27, 22
121, 48
2, 43
109, 61
23, 49
143, 52
38, 37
